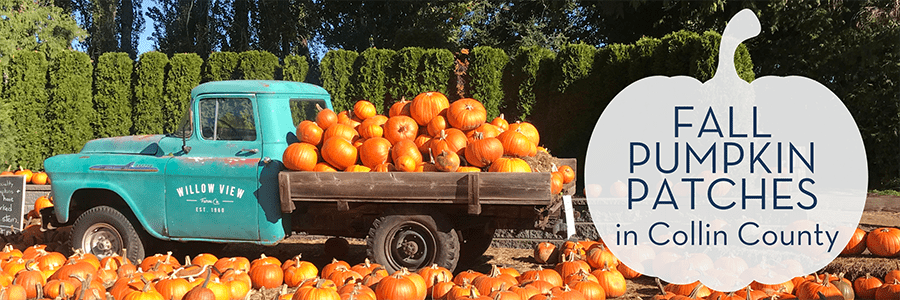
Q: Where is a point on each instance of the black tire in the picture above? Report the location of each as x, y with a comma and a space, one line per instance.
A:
412, 240
103, 231
473, 243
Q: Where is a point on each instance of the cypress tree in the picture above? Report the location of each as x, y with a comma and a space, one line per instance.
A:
182, 76
148, 93
258, 65
406, 71
26, 92
112, 94
220, 66
437, 65
486, 68
370, 81
71, 109
295, 68
26, 97
336, 68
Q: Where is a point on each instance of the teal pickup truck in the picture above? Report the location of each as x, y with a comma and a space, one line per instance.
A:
219, 180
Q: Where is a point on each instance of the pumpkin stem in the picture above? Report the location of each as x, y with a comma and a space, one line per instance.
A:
145, 289
318, 107
693, 294
748, 293
40, 291
208, 274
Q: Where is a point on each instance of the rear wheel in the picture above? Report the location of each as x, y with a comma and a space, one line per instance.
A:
104, 231
473, 243
413, 241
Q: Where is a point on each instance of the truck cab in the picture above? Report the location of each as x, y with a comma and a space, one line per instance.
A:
214, 180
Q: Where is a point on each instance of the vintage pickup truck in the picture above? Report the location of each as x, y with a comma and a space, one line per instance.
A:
219, 180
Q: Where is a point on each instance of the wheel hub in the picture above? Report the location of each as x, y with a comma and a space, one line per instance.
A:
412, 246
102, 240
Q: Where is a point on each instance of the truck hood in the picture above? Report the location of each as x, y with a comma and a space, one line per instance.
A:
134, 144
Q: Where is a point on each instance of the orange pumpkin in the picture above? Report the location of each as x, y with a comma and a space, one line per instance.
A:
426, 106
528, 130
399, 108
483, 151
339, 152
324, 167
24, 172
300, 157
309, 132
884, 242
466, 114
400, 128
325, 118
406, 148
375, 151
516, 144
364, 109
505, 164
500, 122
446, 161
545, 252
437, 124
39, 178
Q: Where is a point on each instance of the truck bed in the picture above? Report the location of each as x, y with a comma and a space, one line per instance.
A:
471, 189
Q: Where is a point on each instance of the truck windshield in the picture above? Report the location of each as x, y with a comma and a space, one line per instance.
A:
305, 109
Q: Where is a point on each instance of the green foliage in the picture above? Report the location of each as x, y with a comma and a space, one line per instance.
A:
259, 65
35, 25
575, 63
531, 67
336, 68
406, 70
436, 67
370, 81
486, 68
148, 93
183, 75
885, 192
295, 68
112, 94
26, 96
220, 66
70, 110
8, 155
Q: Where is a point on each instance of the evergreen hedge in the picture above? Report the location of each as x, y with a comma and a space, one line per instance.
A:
295, 68
220, 66
436, 67
148, 93
112, 94
562, 93
531, 70
370, 79
407, 83
71, 114
183, 75
259, 65
486, 68
336, 68
26, 98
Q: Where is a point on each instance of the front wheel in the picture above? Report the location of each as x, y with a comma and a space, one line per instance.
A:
413, 241
104, 231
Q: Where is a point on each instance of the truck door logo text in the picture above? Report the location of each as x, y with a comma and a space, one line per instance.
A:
208, 188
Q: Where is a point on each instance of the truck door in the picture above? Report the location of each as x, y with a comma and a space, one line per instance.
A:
211, 190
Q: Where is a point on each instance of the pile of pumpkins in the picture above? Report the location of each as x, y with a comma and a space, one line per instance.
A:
30, 177
591, 260
881, 242
423, 135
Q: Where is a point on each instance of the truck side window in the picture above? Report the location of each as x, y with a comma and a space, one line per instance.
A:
227, 119
305, 109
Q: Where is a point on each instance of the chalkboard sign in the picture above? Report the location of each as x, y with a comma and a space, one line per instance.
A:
12, 203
